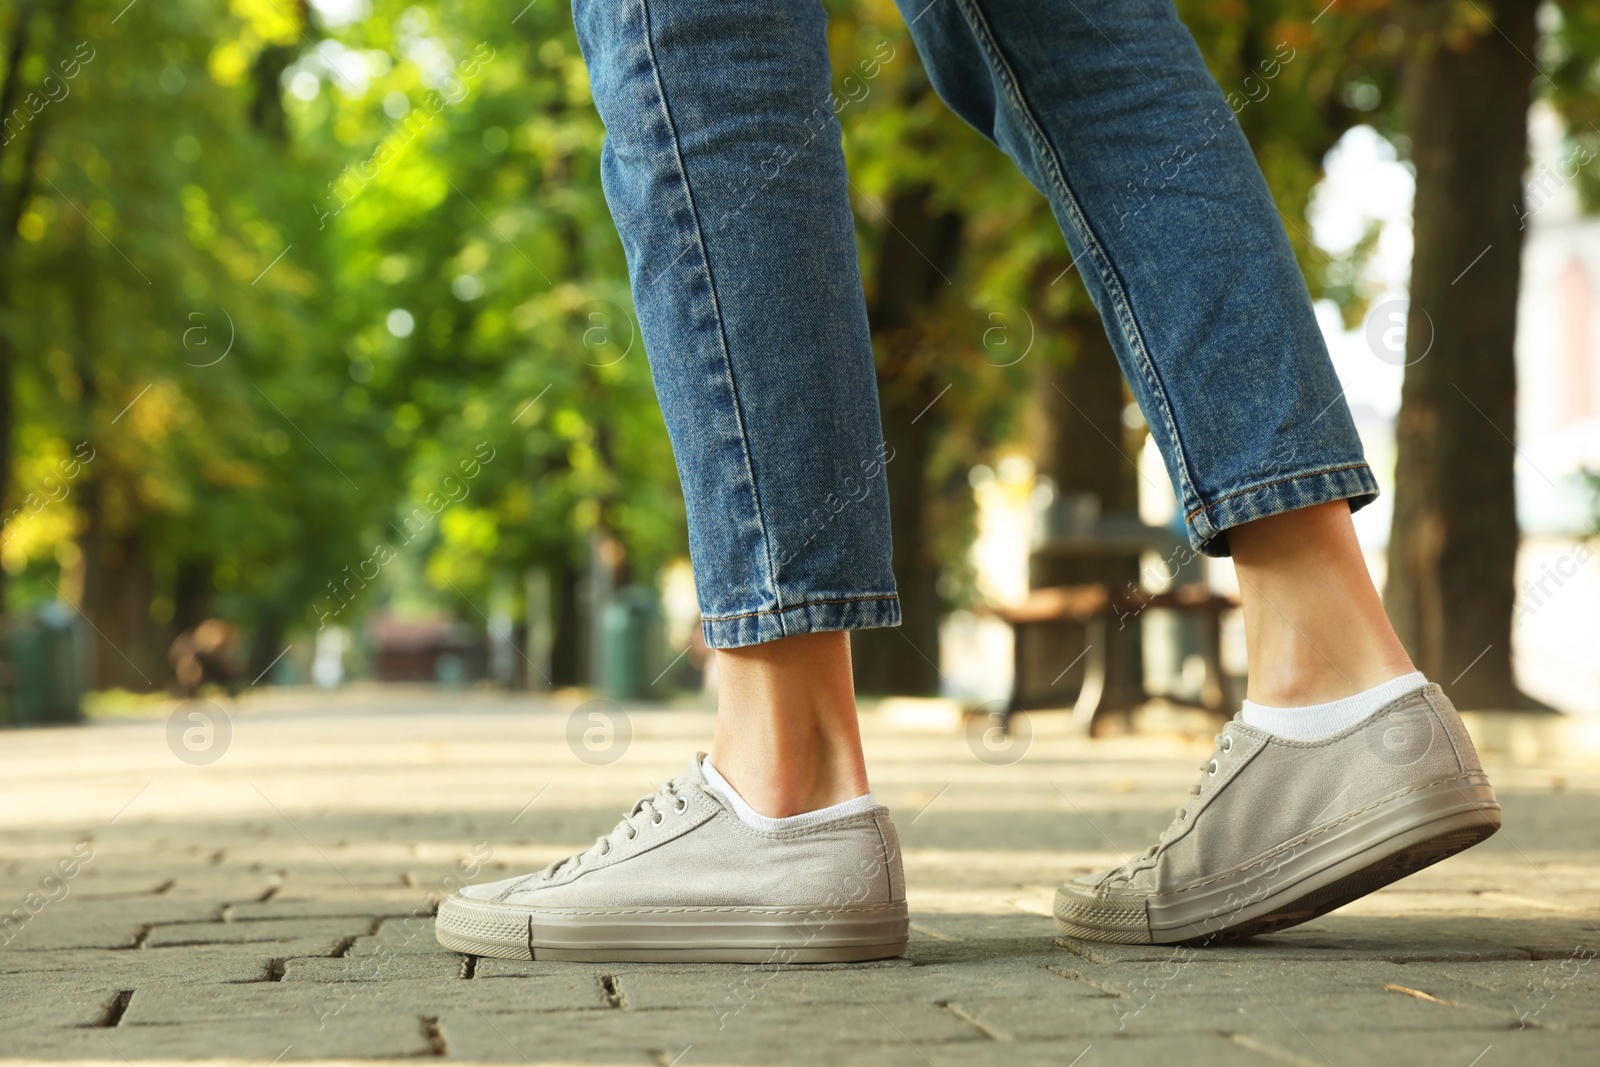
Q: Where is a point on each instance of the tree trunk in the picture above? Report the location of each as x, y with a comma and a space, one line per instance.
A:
1452, 549
919, 251
1083, 449
266, 646
192, 594
130, 650
567, 661
906, 661
1081, 406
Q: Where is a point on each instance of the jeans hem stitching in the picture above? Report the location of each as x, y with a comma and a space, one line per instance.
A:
894, 597
1276, 481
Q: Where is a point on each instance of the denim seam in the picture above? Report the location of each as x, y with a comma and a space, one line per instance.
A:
1115, 288
716, 302
1276, 481
797, 607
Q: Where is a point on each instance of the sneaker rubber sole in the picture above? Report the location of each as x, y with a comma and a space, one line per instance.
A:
1324, 869
673, 935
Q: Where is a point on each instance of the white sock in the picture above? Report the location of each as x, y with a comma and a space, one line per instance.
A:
1325, 720
753, 818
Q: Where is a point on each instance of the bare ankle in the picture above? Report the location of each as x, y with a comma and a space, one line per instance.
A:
779, 791
787, 737
1281, 685
1314, 622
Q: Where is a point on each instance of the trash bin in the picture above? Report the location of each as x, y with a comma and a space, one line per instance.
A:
47, 667
630, 643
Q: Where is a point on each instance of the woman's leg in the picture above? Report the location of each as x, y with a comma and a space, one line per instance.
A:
1315, 629
787, 737
723, 169
725, 175
1108, 109
1367, 774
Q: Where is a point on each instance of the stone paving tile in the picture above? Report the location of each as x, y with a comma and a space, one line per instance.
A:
1447, 1047
258, 1041
213, 922
210, 962
104, 924
179, 1003
546, 993
727, 989
410, 934
291, 905
1398, 941
373, 968
1266, 1011
1544, 994
1311, 977
1269, 1010
476, 1034
497, 968
173, 1003
259, 931
1203, 1050
50, 1005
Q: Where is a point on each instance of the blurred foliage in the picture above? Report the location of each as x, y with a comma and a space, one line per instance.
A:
1569, 58
301, 285
331, 291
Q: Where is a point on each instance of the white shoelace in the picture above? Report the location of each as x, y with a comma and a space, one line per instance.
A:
1181, 816
656, 804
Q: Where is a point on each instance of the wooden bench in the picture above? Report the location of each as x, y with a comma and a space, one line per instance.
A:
1107, 615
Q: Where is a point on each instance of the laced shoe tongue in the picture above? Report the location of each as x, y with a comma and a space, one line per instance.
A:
1178, 819
602, 843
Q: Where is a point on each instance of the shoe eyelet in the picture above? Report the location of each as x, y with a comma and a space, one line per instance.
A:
657, 819
1213, 768
1227, 743
681, 806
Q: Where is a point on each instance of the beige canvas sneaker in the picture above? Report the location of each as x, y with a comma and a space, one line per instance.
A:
1278, 832
682, 879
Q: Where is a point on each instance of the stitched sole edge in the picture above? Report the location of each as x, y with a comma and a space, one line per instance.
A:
681, 935
1327, 869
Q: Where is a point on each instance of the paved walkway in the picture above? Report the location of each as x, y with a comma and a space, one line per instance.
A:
271, 904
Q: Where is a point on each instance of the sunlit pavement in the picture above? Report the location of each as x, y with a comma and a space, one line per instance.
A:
256, 887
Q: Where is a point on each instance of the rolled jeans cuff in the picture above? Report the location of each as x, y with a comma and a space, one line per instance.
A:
840, 613
1207, 524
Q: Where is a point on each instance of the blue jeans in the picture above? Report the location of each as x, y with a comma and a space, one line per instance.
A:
723, 169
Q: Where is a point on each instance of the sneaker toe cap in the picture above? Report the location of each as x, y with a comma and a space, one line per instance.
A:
489, 890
